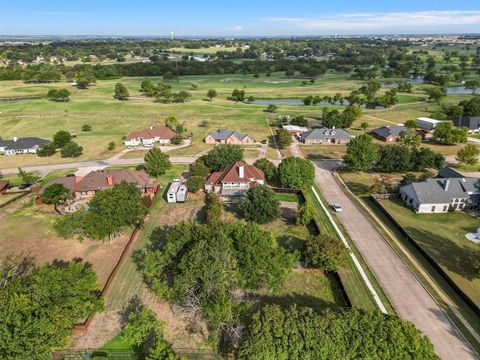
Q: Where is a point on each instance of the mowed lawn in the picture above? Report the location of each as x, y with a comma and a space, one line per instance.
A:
111, 119
442, 236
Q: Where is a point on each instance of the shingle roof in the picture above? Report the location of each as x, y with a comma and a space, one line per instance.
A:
22, 143
326, 133
159, 131
448, 172
386, 131
69, 182
224, 134
231, 174
98, 180
434, 191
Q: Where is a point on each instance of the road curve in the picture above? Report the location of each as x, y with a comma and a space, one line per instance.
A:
407, 295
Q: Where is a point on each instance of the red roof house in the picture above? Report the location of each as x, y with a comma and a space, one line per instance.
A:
147, 137
235, 180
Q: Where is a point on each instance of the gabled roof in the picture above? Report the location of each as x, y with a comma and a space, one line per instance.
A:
160, 131
69, 182
434, 191
98, 180
224, 134
295, 128
22, 143
326, 133
386, 131
232, 174
448, 172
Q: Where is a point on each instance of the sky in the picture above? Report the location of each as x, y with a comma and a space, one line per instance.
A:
242, 18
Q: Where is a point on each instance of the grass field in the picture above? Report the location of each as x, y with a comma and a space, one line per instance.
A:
112, 119
442, 236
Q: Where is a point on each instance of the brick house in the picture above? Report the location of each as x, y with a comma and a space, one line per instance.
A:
326, 136
225, 136
389, 133
235, 180
149, 136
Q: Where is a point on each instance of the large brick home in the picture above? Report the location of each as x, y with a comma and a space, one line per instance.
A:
326, 136
235, 180
149, 136
225, 136
389, 133
86, 187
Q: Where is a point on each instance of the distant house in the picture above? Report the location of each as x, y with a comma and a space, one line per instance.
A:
4, 185
93, 58
427, 123
295, 130
439, 195
177, 192
235, 180
225, 136
27, 145
149, 136
326, 136
470, 122
106, 179
389, 133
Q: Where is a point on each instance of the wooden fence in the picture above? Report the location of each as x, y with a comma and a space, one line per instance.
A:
21, 194
85, 324
475, 308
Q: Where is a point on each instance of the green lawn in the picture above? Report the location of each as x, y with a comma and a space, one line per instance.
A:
286, 197
442, 236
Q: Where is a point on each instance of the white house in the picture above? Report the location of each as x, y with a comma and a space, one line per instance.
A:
148, 137
27, 145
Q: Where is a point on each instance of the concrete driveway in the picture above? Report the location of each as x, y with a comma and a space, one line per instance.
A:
407, 295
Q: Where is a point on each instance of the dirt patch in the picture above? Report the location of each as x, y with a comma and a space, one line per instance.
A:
103, 327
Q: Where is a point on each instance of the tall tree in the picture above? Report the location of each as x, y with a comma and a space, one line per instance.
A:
211, 93
157, 162
61, 138
72, 149
56, 194
446, 134
121, 92
326, 252
296, 173
284, 138
468, 155
221, 156
361, 153
259, 205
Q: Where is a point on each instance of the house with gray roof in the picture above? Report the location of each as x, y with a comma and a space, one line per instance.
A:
389, 133
226, 136
27, 145
440, 194
448, 172
326, 136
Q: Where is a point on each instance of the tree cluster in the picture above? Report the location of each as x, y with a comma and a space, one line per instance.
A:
62, 140
59, 95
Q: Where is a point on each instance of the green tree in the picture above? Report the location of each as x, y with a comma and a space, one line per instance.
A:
61, 138
86, 127
300, 333
306, 211
40, 307
47, 149
238, 95
211, 93
445, 133
471, 107
111, 146
271, 108
268, 168
195, 183
28, 177
82, 83
411, 124
214, 208
284, 138
299, 121
296, 173
260, 205
121, 92
56, 194
436, 94
472, 85
364, 125
468, 155
325, 252
222, 156
61, 95
72, 149
147, 87
362, 153
198, 168
156, 162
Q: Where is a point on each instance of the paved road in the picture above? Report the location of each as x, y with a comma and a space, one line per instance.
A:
411, 301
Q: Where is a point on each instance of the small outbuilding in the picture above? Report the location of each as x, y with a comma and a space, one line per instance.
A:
427, 123
177, 192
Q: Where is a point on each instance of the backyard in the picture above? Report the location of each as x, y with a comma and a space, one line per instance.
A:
442, 236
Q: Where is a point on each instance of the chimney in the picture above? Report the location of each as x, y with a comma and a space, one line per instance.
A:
110, 180
241, 171
15, 139
447, 182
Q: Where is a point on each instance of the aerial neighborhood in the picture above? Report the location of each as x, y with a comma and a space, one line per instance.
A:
240, 186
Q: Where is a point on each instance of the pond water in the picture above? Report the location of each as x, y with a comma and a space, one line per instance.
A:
413, 80
459, 90
8, 100
295, 102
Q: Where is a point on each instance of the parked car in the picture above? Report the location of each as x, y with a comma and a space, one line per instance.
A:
337, 208
25, 186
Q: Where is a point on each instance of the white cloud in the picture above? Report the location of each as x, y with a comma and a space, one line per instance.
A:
377, 21
238, 28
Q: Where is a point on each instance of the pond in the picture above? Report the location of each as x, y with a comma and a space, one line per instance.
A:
459, 90
8, 100
413, 80
296, 102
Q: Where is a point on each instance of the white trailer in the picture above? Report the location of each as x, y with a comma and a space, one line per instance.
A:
173, 190
182, 193
427, 123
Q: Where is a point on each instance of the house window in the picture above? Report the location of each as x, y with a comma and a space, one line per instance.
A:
445, 208
433, 208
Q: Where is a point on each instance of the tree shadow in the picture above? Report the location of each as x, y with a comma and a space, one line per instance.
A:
358, 188
457, 258
134, 305
291, 243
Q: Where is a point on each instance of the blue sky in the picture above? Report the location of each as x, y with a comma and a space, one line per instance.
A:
228, 18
